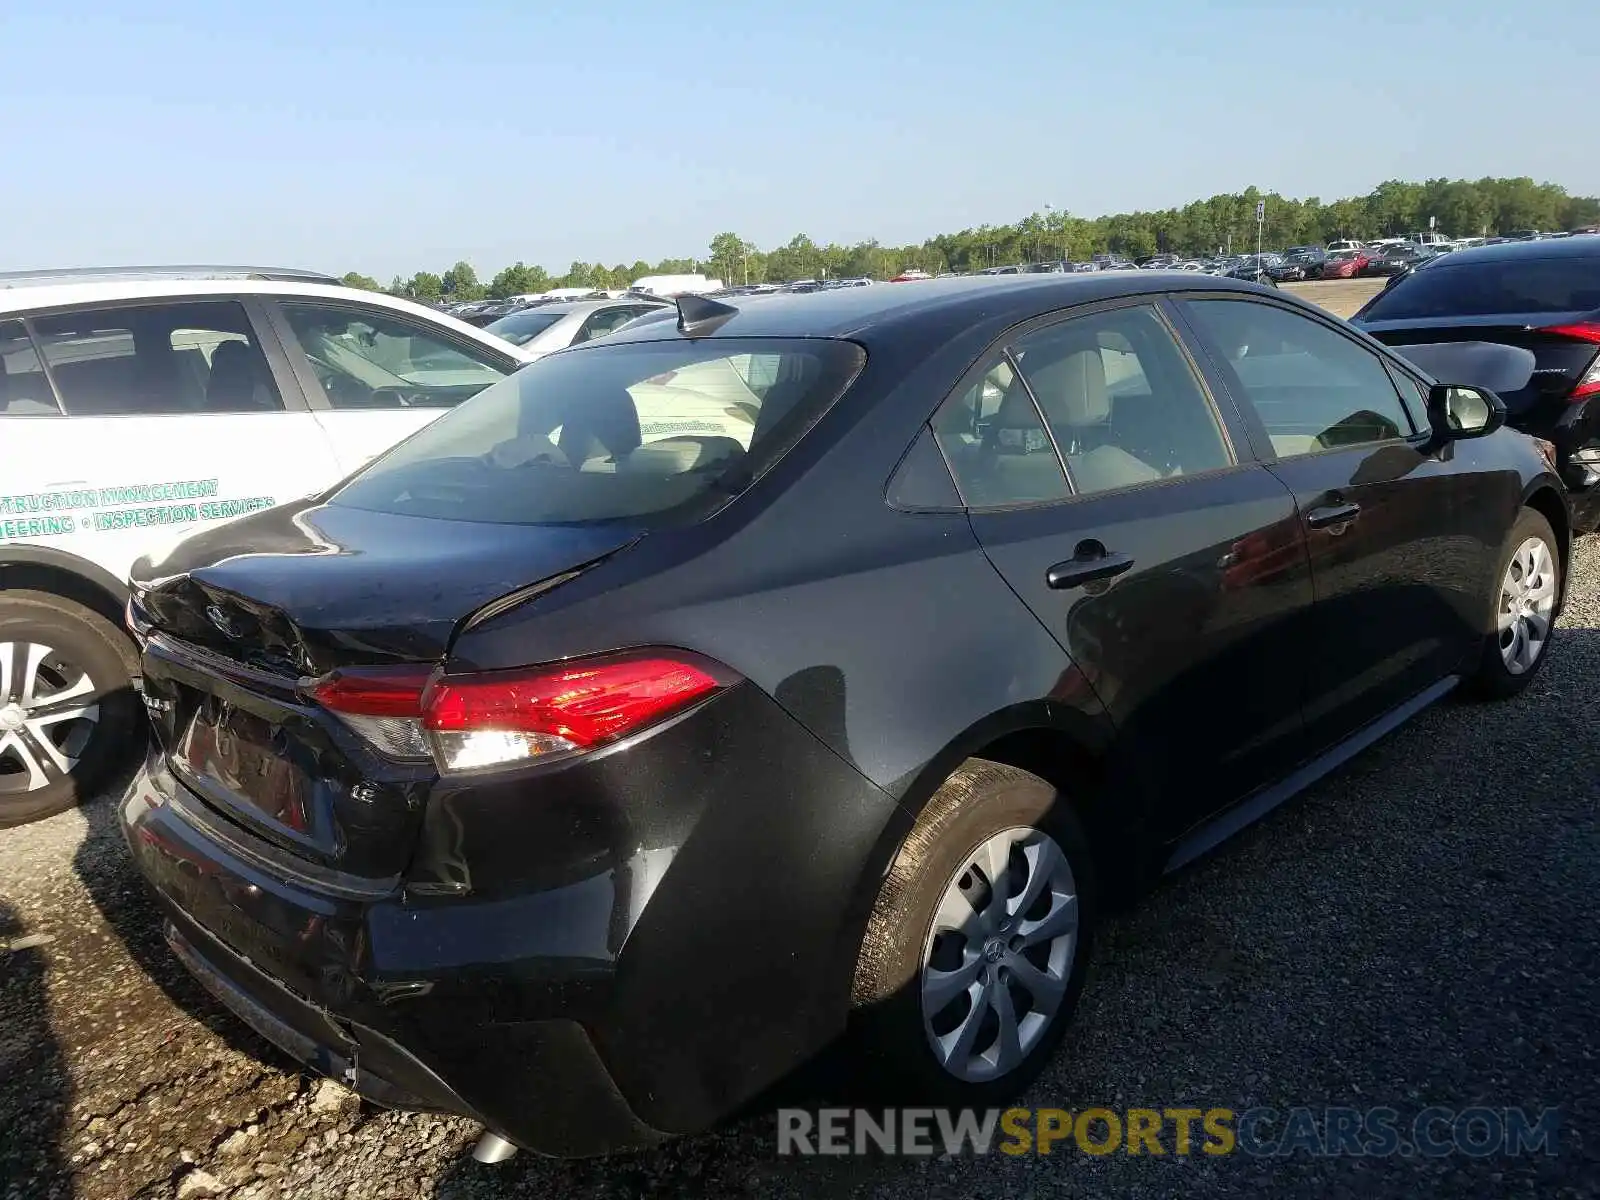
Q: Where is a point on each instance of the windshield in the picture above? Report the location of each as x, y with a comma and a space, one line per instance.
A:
1450, 288
619, 431
520, 328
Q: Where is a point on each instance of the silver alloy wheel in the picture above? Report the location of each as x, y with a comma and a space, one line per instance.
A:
998, 954
45, 724
1527, 599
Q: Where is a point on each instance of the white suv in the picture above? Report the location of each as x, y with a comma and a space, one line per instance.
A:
139, 406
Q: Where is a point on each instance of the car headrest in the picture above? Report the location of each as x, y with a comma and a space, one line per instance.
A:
1072, 388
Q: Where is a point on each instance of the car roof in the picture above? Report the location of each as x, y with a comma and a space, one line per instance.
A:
1569, 247
858, 312
38, 297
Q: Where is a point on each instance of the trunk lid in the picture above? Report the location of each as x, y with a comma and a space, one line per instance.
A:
238, 619
1560, 361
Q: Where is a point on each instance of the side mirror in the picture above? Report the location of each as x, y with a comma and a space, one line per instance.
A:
1459, 410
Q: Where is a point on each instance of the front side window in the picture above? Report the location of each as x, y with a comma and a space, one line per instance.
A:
665, 431
186, 357
1313, 388
1122, 401
1412, 395
365, 358
24, 390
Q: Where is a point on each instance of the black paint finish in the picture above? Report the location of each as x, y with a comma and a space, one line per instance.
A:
652, 934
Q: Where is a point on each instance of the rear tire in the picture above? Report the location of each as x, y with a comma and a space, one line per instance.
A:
1521, 611
921, 982
69, 718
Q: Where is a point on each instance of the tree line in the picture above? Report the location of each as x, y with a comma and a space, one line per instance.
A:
1459, 207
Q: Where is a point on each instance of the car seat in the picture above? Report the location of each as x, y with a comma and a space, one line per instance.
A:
235, 383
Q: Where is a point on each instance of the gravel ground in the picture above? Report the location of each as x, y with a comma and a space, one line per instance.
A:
1415, 930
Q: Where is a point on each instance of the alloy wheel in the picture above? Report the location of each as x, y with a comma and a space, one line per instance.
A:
1527, 600
48, 714
999, 954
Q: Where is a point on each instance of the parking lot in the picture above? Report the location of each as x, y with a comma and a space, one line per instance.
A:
1414, 930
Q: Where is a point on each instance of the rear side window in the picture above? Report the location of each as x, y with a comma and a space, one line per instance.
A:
605, 321
189, 357
1122, 402
522, 327
661, 430
995, 441
1468, 289
24, 390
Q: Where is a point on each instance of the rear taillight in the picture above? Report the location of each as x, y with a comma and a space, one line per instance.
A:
1582, 331
469, 722
383, 705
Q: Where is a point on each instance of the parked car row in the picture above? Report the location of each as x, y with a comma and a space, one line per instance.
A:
1008, 594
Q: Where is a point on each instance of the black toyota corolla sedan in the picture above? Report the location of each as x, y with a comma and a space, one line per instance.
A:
692, 698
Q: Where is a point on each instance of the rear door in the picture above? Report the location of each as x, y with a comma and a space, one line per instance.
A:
1401, 571
1162, 558
374, 376
173, 416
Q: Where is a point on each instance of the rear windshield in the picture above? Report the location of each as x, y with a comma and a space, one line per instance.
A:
521, 328
665, 430
1467, 289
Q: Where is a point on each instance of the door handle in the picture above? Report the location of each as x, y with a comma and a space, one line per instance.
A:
1092, 563
1332, 514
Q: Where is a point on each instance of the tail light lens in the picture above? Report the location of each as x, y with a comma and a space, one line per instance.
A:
1582, 331
382, 705
470, 722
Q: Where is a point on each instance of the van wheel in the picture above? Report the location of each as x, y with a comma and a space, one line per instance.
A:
978, 943
69, 718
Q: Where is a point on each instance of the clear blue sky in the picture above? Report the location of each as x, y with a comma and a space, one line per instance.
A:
390, 135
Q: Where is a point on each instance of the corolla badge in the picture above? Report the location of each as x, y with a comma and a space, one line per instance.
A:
224, 623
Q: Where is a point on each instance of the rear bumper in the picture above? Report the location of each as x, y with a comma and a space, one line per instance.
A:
540, 1083
585, 959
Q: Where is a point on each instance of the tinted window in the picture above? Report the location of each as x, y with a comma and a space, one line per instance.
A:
1121, 400
995, 441
190, 357
1412, 395
24, 390
369, 359
1313, 388
1468, 289
604, 321
922, 480
667, 430
520, 328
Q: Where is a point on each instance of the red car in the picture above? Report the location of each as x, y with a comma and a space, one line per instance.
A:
1344, 264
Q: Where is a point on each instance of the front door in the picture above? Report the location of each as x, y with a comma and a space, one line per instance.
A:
375, 377
1170, 568
1395, 570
